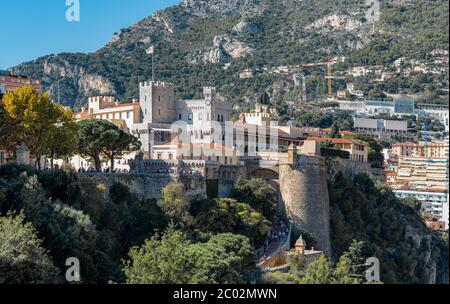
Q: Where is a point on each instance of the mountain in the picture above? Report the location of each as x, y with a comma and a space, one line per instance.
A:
201, 43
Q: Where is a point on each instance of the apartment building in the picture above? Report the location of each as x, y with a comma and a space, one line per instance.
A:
427, 150
434, 203
422, 173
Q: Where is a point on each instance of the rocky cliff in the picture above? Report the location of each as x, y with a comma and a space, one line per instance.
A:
201, 42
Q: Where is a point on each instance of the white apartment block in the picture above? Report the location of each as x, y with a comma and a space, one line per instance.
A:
435, 204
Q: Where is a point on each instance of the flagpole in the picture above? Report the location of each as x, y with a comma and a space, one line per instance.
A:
151, 51
153, 67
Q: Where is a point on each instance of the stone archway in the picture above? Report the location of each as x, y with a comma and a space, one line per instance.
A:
266, 174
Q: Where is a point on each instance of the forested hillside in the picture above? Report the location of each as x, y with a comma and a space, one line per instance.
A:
47, 216
202, 43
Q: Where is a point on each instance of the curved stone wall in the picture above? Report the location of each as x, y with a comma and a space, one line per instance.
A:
304, 191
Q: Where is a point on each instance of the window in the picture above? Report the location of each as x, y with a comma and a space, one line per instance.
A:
190, 116
145, 98
170, 156
179, 116
159, 112
159, 98
159, 156
128, 114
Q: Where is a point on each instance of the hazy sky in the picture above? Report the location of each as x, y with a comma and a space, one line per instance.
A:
33, 28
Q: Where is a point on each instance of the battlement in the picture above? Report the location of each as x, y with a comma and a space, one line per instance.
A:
101, 102
209, 90
156, 84
260, 114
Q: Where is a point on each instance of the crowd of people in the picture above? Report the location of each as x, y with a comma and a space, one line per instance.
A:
104, 170
278, 234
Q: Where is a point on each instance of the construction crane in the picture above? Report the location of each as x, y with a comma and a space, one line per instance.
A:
315, 64
330, 78
302, 76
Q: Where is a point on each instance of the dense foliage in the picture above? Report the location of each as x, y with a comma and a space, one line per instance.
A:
73, 218
173, 259
23, 260
392, 230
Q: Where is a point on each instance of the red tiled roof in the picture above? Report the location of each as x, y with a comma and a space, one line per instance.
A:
196, 145
125, 105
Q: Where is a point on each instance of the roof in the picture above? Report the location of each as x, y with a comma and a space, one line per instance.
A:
202, 146
121, 105
300, 241
271, 129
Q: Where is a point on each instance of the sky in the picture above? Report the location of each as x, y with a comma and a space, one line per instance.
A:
33, 28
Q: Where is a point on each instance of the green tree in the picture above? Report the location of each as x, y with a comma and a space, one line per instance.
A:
62, 135
376, 93
318, 272
228, 215
335, 131
258, 194
342, 274
97, 138
224, 259
172, 259
117, 143
66, 231
176, 204
23, 260
161, 260
32, 117
354, 258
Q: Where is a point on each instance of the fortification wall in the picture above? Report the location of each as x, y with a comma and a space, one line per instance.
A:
149, 186
304, 191
348, 168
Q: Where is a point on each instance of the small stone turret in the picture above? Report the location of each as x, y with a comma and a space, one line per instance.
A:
300, 246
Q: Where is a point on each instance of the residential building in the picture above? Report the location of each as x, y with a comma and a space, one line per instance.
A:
384, 129
11, 82
422, 173
434, 203
423, 149
359, 151
124, 115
